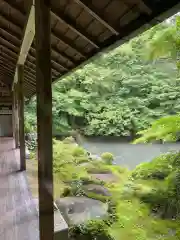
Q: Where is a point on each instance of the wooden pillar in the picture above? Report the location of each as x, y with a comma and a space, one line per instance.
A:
15, 118
20, 74
44, 118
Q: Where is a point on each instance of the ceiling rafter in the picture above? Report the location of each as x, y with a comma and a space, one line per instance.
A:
11, 67
67, 42
8, 52
9, 62
6, 70
64, 55
86, 4
13, 47
27, 80
6, 67
73, 26
29, 84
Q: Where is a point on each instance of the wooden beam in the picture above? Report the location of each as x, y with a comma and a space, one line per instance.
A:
88, 6
74, 27
20, 73
28, 38
44, 118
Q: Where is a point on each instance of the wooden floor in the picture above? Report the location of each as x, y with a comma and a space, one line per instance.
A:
18, 216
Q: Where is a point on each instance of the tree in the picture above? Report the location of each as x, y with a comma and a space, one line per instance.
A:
119, 93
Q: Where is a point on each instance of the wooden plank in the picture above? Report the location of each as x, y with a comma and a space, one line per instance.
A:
88, 6
74, 27
20, 73
19, 220
44, 118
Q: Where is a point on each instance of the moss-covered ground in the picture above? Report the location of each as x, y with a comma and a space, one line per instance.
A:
143, 205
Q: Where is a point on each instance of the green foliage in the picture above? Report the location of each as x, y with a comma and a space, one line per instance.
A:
119, 93
158, 168
92, 230
151, 188
163, 193
166, 129
107, 157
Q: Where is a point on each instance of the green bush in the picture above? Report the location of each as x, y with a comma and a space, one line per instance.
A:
107, 157
69, 140
158, 168
79, 151
92, 230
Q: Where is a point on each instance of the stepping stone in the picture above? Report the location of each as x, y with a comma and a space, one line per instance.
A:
77, 210
96, 189
105, 177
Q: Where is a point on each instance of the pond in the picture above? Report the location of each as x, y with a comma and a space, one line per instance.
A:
126, 154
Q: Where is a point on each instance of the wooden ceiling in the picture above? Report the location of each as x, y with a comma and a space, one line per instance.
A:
79, 30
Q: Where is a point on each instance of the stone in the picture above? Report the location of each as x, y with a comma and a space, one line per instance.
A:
96, 189
77, 210
105, 177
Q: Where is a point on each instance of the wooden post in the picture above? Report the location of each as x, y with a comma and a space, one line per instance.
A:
20, 74
44, 118
15, 117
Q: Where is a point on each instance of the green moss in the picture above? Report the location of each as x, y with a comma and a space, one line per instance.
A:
97, 196
107, 157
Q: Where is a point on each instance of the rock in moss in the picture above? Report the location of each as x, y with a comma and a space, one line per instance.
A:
77, 210
96, 189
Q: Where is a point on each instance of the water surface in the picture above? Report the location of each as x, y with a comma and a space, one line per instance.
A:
127, 154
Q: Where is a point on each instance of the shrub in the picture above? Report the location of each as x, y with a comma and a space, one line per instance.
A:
92, 230
158, 168
69, 140
107, 157
78, 151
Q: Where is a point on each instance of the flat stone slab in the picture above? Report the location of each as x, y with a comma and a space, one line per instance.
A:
97, 189
106, 177
77, 210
